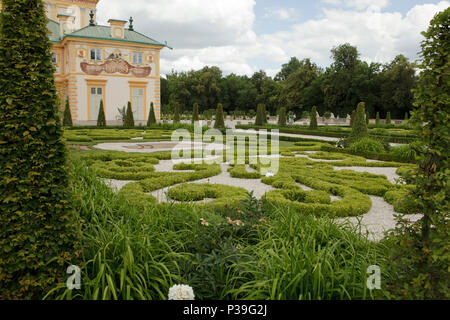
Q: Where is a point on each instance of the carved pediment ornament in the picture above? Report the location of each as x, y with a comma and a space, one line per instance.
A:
117, 65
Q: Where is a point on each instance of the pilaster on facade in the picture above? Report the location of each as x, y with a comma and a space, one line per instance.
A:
73, 96
157, 102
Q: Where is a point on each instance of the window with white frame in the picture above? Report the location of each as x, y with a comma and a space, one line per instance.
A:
96, 54
54, 58
137, 57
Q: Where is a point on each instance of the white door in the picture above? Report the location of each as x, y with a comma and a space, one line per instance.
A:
138, 104
96, 97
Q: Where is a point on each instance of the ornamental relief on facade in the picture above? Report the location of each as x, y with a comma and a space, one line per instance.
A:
115, 64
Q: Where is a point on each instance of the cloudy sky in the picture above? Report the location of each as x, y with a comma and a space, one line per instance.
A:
244, 36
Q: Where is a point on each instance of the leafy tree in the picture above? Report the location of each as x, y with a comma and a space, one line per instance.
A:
293, 88
349, 80
345, 57
101, 121
425, 247
288, 68
397, 81
129, 118
206, 84
359, 128
38, 234
165, 91
176, 114
388, 118
282, 117
151, 116
195, 113
257, 80
313, 119
67, 121
313, 95
219, 123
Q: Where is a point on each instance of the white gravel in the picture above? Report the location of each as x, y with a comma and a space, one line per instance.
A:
293, 135
116, 185
378, 220
255, 185
386, 171
166, 146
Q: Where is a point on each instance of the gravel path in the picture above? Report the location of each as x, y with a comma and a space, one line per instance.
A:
255, 185
388, 172
294, 135
379, 219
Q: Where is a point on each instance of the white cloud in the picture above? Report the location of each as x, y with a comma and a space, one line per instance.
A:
217, 32
280, 13
378, 36
185, 23
359, 4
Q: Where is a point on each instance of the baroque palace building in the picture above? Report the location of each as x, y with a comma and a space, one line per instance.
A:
112, 63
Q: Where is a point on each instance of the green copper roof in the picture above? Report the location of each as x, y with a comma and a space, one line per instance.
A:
104, 33
101, 33
53, 27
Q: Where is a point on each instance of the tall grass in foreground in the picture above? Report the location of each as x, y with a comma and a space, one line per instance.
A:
125, 253
131, 253
307, 258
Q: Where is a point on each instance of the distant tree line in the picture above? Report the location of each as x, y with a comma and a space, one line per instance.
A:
299, 86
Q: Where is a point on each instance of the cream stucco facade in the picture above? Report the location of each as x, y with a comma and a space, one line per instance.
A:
112, 63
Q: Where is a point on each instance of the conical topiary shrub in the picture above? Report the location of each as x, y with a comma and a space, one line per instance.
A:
129, 118
101, 121
406, 116
388, 118
359, 129
176, 113
219, 123
195, 113
264, 113
151, 116
313, 119
377, 120
260, 115
282, 117
352, 118
67, 120
38, 233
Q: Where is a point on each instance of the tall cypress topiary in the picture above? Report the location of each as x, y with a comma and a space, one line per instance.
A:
359, 129
260, 115
313, 118
406, 116
388, 118
264, 113
101, 120
38, 237
129, 118
151, 116
67, 120
282, 117
425, 248
377, 120
219, 123
195, 113
176, 114
352, 118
